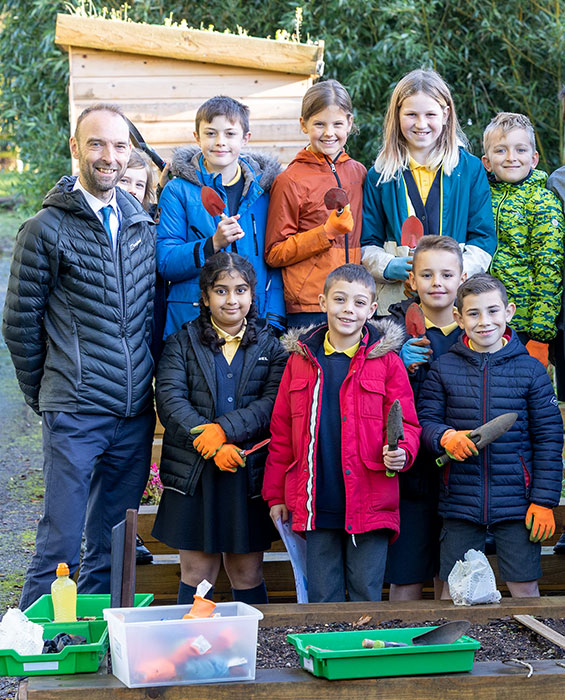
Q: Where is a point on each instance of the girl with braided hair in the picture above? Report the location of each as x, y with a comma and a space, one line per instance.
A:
216, 386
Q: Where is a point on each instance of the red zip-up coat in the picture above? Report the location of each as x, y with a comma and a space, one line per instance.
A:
376, 377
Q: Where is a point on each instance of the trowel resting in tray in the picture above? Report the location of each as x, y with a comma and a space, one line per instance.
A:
447, 633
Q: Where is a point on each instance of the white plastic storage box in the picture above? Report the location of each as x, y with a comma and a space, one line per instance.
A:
155, 646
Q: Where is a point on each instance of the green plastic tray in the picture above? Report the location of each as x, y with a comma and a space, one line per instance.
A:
87, 606
82, 658
340, 654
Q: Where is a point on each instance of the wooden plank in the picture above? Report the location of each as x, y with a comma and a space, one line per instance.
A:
290, 614
92, 63
201, 87
153, 108
486, 681
128, 576
189, 44
541, 629
275, 131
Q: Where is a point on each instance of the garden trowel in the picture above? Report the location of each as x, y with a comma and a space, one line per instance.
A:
394, 429
336, 198
486, 433
447, 633
212, 202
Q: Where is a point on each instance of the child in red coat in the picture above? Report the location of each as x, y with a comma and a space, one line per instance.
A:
328, 453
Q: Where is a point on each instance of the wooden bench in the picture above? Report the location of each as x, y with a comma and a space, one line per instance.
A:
162, 577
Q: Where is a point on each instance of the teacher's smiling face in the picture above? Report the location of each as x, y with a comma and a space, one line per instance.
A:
102, 147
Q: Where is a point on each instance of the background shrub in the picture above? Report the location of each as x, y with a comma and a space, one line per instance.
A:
496, 55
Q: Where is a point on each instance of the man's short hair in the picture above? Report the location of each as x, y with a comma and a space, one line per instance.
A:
445, 243
351, 273
507, 121
223, 106
480, 283
99, 107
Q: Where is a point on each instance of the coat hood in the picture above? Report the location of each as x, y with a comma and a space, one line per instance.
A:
381, 336
262, 167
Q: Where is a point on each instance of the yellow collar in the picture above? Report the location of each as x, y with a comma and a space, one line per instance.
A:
329, 348
226, 336
504, 342
446, 330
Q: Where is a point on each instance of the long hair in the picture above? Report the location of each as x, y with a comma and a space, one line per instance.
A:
212, 269
394, 155
138, 161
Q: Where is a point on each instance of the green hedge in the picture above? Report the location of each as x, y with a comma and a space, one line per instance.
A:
497, 55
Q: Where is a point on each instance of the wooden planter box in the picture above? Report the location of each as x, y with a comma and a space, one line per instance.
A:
161, 75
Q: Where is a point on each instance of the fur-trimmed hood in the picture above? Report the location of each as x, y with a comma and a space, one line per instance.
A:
381, 336
259, 167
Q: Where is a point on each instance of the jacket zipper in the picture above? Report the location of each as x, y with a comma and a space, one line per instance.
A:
484, 455
121, 296
77, 352
254, 234
504, 196
312, 442
331, 163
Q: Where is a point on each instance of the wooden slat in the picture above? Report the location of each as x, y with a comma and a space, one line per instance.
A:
486, 681
153, 108
275, 131
289, 614
189, 44
92, 63
541, 629
196, 87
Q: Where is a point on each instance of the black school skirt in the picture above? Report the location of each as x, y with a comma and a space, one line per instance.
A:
219, 517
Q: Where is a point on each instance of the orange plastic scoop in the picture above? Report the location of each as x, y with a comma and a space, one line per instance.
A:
212, 202
411, 232
336, 198
415, 321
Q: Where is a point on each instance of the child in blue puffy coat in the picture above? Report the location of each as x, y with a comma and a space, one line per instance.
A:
512, 484
187, 235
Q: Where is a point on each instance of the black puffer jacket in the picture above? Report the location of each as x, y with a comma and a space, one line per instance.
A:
77, 318
186, 391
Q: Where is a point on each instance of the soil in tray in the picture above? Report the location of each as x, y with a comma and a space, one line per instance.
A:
500, 640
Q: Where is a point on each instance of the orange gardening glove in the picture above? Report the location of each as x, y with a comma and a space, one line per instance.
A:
228, 458
458, 444
338, 225
540, 522
538, 350
210, 437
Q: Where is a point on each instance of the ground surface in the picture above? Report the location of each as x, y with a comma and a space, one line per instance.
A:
20, 462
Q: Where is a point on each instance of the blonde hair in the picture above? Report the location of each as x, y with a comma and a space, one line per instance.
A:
508, 121
394, 155
139, 161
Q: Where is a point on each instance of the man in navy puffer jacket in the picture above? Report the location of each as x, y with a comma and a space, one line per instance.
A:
77, 323
512, 484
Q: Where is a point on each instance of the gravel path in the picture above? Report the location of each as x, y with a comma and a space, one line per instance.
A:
20, 477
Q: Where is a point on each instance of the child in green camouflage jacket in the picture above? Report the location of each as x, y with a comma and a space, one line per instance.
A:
530, 227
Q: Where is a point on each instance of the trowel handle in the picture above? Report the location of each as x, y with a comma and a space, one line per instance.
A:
443, 460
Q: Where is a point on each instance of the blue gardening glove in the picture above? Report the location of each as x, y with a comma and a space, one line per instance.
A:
398, 269
415, 351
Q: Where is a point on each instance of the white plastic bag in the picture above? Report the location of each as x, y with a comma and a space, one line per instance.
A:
472, 581
20, 634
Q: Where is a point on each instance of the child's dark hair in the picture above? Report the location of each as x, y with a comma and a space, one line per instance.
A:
480, 283
212, 269
351, 273
445, 243
223, 106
